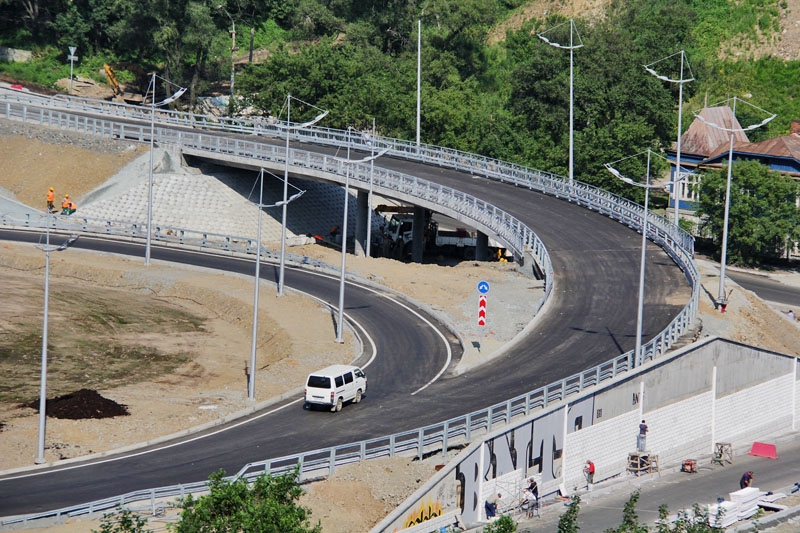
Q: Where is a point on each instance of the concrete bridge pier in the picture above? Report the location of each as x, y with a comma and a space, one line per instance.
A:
418, 237
481, 247
362, 219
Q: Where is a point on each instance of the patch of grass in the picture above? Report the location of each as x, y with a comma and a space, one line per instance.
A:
94, 342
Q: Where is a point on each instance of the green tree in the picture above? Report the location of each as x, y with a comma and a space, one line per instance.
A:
504, 524
267, 505
123, 521
630, 520
568, 522
763, 213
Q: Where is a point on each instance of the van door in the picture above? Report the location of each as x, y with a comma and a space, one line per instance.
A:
349, 388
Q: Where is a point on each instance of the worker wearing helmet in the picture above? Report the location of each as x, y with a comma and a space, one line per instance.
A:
51, 198
65, 205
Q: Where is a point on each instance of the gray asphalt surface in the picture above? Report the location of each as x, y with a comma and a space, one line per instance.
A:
767, 288
591, 320
601, 508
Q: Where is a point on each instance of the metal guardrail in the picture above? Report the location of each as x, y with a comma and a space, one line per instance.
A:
161, 233
436, 436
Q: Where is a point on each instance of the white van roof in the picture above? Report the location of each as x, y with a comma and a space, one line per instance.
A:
334, 370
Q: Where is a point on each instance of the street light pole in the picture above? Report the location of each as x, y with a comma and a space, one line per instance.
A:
722, 298
233, 45
43, 376
369, 196
680, 81
419, 75
152, 90
340, 321
348, 162
572, 46
251, 385
286, 200
285, 192
638, 352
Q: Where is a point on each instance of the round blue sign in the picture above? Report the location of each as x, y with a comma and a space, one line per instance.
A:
483, 287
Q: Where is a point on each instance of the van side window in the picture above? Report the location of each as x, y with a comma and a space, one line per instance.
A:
339, 381
319, 382
359, 374
348, 378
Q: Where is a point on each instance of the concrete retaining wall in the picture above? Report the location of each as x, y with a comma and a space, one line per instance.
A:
712, 391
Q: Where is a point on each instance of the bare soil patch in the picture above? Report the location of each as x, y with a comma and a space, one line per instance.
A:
85, 403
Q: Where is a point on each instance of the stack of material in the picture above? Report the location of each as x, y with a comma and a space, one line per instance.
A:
748, 501
723, 514
768, 500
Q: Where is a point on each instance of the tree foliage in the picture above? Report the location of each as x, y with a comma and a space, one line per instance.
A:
504, 524
267, 505
762, 215
696, 521
123, 521
508, 98
568, 522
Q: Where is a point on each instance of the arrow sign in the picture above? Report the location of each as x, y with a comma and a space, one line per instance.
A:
482, 310
483, 287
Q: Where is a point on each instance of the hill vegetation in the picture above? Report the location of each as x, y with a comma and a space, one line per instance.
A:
489, 85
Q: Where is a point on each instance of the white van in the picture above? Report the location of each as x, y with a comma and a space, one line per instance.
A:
334, 385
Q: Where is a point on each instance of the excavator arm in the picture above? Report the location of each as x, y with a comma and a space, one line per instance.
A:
112, 79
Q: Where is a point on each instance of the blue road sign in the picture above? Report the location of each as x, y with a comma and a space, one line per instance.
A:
483, 287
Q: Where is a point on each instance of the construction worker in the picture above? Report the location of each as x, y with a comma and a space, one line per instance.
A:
72, 207
51, 198
65, 205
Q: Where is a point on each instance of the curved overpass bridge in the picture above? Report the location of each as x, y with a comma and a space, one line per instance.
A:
592, 273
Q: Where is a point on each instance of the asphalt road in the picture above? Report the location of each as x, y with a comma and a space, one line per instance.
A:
592, 318
767, 288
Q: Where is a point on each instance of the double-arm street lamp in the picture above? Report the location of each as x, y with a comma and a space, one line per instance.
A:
289, 127
349, 162
662, 64
547, 37
151, 90
46, 248
638, 355
732, 127
251, 383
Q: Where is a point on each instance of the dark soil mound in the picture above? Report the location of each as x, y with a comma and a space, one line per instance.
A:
85, 403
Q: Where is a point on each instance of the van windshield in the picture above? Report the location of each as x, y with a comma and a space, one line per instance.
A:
319, 382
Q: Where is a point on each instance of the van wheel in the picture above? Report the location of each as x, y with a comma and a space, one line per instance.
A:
338, 406
358, 396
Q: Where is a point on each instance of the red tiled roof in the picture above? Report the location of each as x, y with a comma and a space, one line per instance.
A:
703, 139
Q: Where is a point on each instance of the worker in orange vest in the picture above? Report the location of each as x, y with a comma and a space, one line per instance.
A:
51, 198
72, 207
65, 205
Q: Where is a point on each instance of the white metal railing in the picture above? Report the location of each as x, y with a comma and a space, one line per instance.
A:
439, 436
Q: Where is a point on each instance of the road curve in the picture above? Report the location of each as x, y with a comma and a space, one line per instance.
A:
591, 319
